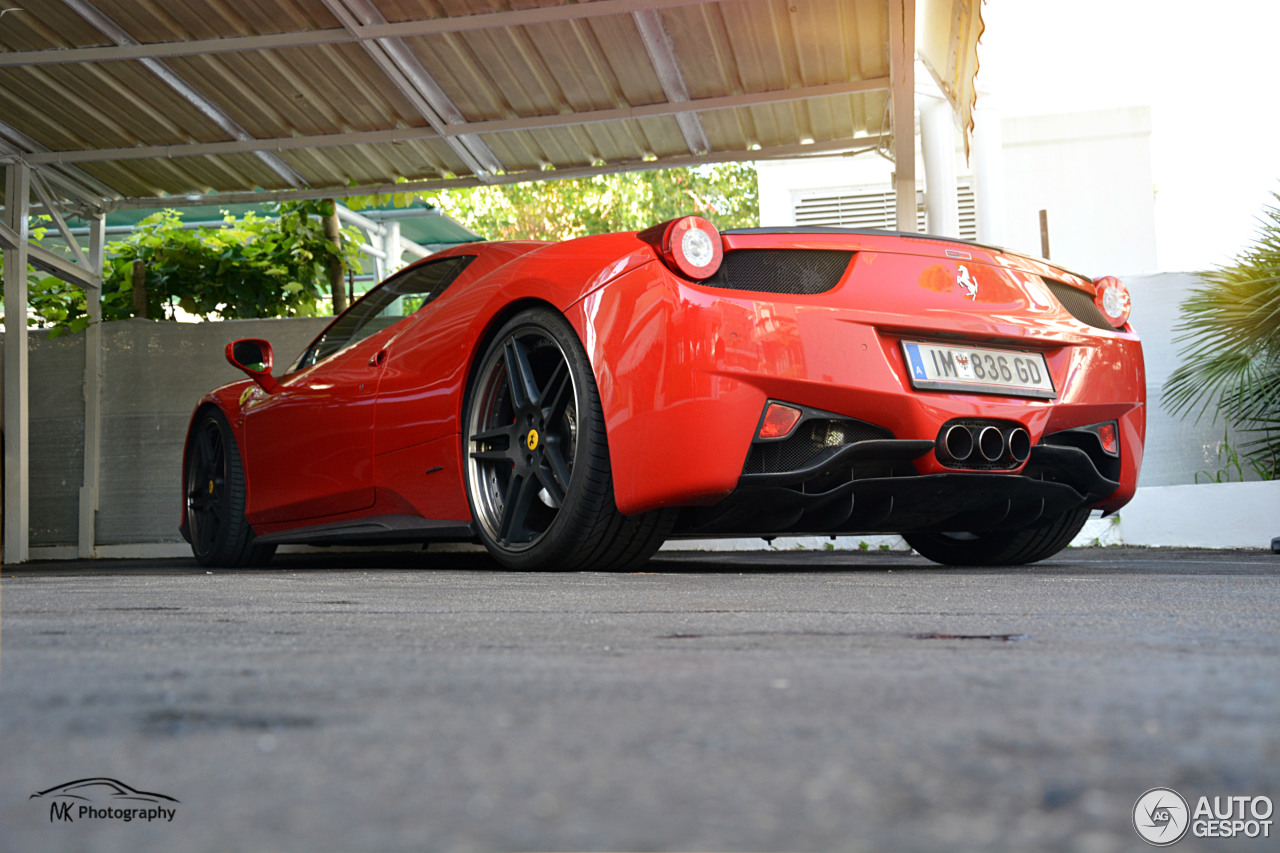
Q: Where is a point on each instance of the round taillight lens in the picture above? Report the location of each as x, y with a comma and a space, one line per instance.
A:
1113, 300
692, 246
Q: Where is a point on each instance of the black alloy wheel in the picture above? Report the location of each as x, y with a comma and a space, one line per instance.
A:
215, 498
537, 460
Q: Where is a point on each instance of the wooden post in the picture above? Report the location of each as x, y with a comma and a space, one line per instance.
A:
140, 289
1044, 234
337, 281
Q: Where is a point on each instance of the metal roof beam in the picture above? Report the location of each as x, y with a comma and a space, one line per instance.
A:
76, 183
211, 110
46, 197
857, 145
284, 143
55, 265
402, 29
415, 82
662, 54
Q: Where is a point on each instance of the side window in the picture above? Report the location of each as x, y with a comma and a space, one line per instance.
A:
385, 305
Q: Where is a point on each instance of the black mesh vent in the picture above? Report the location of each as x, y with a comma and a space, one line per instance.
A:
798, 271
1080, 304
810, 441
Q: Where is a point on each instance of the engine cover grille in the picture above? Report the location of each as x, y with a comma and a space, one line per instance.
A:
1079, 304
794, 271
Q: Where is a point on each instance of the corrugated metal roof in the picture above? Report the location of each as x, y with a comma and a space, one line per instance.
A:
136, 99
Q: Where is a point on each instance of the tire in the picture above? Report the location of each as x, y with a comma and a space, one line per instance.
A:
1000, 547
537, 460
215, 498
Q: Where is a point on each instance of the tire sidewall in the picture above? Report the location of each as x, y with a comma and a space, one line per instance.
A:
582, 504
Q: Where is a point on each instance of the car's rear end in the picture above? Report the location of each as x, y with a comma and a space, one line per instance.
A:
836, 381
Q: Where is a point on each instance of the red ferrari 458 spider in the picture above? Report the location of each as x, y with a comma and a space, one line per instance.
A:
573, 405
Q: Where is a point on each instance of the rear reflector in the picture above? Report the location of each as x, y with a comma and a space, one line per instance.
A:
778, 420
1110, 440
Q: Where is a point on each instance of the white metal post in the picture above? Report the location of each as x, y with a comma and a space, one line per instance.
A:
902, 74
393, 248
938, 142
988, 172
92, 392
17, 504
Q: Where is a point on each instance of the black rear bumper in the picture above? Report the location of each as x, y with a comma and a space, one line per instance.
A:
829, 497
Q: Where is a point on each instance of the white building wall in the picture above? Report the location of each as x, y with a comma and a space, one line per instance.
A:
1090, 171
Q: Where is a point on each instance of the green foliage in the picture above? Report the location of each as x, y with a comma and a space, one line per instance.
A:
1231, 354
253, 267
573, 207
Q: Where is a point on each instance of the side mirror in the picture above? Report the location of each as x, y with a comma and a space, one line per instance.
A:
253, 356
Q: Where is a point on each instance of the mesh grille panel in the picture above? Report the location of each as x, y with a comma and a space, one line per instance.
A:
1080, 304
798, 271
811, 440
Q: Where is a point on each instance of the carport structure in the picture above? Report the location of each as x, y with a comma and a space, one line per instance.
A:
107, 104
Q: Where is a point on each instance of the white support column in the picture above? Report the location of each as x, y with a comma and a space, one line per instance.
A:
938, 141
902, 72
92, 393
988, 172
17, 497
392, 246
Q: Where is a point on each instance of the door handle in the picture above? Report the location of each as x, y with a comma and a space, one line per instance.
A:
377, 360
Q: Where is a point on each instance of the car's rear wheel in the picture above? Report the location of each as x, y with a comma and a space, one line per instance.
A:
1000, 547
537, 466
215, 487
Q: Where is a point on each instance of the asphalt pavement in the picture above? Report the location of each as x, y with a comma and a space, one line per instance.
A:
805, 701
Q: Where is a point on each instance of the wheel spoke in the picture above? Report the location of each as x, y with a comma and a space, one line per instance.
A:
555, 474
503, 455
508, 432
553, 392
521, 492
520, 378
205, 449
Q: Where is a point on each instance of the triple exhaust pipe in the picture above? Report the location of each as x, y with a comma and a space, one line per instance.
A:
987, 444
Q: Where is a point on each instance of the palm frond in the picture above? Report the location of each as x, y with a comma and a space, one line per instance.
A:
1230, 355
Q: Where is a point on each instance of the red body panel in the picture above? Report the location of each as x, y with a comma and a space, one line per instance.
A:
683, 370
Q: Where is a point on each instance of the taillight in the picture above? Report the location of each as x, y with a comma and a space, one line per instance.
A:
1113, 300
690, 245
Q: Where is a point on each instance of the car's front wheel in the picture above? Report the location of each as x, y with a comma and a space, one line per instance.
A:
1000, 547
537, 460
215, 499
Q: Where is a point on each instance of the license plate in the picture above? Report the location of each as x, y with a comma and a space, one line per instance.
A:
950, 367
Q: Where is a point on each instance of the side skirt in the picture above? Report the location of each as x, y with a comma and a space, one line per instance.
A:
374, 530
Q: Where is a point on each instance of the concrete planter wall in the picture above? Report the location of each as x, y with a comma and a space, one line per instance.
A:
1212, 515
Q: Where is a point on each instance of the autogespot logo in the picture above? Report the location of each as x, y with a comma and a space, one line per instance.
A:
1160, 816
